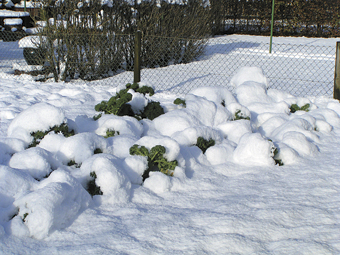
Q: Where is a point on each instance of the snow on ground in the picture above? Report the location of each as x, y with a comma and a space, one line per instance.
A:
233, 199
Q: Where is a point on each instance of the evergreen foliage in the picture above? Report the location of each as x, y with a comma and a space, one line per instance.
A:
156, 159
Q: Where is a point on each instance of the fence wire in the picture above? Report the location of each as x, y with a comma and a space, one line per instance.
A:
168, 65
297, 69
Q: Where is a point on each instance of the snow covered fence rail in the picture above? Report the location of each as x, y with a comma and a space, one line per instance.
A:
305, 69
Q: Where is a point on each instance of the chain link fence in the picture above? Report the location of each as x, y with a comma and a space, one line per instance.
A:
167, 62
297, 69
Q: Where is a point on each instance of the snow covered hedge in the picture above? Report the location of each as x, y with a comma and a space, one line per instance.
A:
44, 188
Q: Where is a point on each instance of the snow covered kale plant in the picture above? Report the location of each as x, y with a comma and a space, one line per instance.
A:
142, 145
156, 159
131, 101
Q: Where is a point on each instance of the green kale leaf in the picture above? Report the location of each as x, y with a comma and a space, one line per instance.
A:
179, 101
295, 107
156, 159
204, 144
92, 187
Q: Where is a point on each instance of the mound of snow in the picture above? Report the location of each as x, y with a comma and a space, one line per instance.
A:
41, 116
253, 74
253, 149
52, 205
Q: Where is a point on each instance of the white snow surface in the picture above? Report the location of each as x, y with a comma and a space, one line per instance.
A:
13, 22
233, 199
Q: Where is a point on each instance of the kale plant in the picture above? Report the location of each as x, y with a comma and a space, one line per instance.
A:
295, 107
274, 151
39, 135
118, 104
240, 116
179, 101
152, 110
156, 159
204, 144
73, 163
97, 151
92, 187
111, 133
24, 217
277, 160
97, 117
143, 90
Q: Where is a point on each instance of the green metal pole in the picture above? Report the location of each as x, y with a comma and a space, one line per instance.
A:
25, 6
336, 91
272, 27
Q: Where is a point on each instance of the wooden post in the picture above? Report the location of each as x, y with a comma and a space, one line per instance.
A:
136, 63
272, 27
336, 92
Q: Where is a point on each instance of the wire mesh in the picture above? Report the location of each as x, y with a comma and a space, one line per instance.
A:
297, 69
180, 64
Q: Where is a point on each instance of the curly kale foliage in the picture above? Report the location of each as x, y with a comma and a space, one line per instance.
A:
240, 116
152, 110
111, 133
97, 151
117, 104
274, 151
156, 159
74, 163
276, 159
143, 90
92, 187
295, 107
39, 135
24, 217
98, 116
204, 144
179, 101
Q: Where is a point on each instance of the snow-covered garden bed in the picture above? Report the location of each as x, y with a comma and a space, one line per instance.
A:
45, 181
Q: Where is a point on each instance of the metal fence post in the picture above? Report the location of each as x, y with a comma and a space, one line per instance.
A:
136, 63
336, 92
